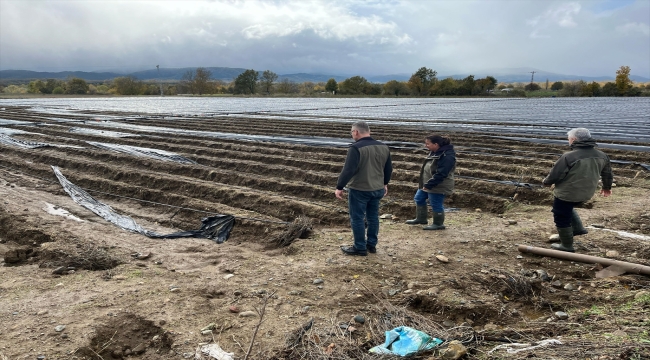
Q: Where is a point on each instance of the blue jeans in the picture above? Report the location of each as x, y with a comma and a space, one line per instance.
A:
435, 200
364, 204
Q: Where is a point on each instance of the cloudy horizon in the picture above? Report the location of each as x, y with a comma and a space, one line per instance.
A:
379, 37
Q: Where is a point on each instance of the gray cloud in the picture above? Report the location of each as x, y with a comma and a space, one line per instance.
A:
334, 37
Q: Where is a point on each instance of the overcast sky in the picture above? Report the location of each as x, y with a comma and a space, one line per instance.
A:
347, 37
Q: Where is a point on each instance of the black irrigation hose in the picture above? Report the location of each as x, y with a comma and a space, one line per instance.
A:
147, 201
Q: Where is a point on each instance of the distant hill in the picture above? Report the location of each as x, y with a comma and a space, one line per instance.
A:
302, 77
229, 74
218, 73
33, 75
221, 73
523, 75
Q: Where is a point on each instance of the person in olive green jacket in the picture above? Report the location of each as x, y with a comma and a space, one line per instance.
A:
436, 182
575, 176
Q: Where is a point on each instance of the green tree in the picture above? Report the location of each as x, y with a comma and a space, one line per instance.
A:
127, 85
485, 85
58, 90
35, 86
267, 80
15, 89
201, 82
422, 80
633, 91
353, 86
573, 88
77, 86
445, 87
396, 88
532, 87
623, 82
558, 85
246, 82
372, 89
590, 90
466, 86
332, 86
609, 89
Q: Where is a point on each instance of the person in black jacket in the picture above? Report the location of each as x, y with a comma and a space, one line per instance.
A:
366, 173
436, 181
575, 176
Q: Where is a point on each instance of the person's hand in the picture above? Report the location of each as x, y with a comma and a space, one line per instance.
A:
605, 193
339, 194
385, 190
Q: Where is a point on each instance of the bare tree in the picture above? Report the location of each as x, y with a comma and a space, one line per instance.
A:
202, 81
187, 82
287, 86
267, 80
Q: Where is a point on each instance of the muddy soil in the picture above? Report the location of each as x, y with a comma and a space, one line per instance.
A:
73, 286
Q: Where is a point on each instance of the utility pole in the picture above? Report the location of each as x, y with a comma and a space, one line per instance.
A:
532, 76
159, 83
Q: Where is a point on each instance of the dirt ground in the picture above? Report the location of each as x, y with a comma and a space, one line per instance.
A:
73, 286
185, 284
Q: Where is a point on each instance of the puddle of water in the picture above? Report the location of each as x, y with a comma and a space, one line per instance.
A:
59, 211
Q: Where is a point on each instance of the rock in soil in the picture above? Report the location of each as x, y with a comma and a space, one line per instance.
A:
561, 315
455, 350
247, 314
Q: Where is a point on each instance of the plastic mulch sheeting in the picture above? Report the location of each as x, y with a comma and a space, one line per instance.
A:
7, 140
216, 228
105, 133
146, 152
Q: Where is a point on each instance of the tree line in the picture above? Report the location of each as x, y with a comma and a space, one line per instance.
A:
423, 82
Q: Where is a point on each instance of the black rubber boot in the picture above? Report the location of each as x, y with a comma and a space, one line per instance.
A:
576, 224
566, 240
438, 222
420, 216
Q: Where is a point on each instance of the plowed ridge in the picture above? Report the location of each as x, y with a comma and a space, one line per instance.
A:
267, 169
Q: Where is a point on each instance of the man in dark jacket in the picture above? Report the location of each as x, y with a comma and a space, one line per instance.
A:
366, 173
575, 176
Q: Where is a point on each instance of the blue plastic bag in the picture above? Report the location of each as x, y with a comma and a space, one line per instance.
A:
405, 341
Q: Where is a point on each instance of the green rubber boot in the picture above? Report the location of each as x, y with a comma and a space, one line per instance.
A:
566, 240
576, 224
420, 216
438, 222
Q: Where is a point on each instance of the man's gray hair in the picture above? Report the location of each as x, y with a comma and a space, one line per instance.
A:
580, 134
362, 127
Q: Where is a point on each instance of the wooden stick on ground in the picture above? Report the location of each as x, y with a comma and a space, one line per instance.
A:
257, 327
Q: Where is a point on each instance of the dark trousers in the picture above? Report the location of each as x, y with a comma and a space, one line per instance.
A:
562, 212
364, 205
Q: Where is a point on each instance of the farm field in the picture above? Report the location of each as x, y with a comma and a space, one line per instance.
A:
167, 163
